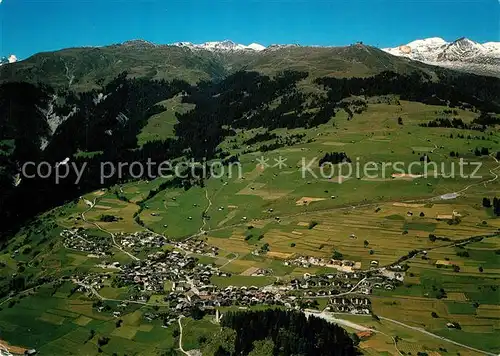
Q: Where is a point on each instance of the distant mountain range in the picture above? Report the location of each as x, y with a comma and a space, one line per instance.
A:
88, 67
462, 54
222, 46
213, 46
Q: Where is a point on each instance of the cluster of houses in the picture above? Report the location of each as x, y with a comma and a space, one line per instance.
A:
210, 297
197, 246
141, 239
78, 239
344, 291
161, 267
333, 284
353, 305
94, 281
184, 283
309, 261
330, 284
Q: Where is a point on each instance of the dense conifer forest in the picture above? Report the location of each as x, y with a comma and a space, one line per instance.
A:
287, 333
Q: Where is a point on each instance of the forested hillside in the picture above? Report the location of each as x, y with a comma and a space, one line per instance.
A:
280, 332
102, 125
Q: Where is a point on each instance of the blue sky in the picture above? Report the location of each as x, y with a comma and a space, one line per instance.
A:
31, 26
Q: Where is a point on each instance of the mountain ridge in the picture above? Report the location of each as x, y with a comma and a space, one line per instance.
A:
83, 68
87, 68
462, 54
229, 45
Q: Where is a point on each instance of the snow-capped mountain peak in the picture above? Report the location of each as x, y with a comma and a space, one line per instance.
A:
427, 42
492, 47
460, 54
226, 45
418, 49
10, 59
256, 47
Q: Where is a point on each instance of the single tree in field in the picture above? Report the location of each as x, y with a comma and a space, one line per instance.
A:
487, 202
312, 224
366, 243
336, 255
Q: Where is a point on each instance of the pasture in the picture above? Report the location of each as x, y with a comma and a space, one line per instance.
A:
57, 323
408, 341
161, 126
471, 297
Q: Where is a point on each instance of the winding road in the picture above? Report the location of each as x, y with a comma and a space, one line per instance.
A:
437, 336
348, 323
332, 319
180, 335
205, 211
492, 171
